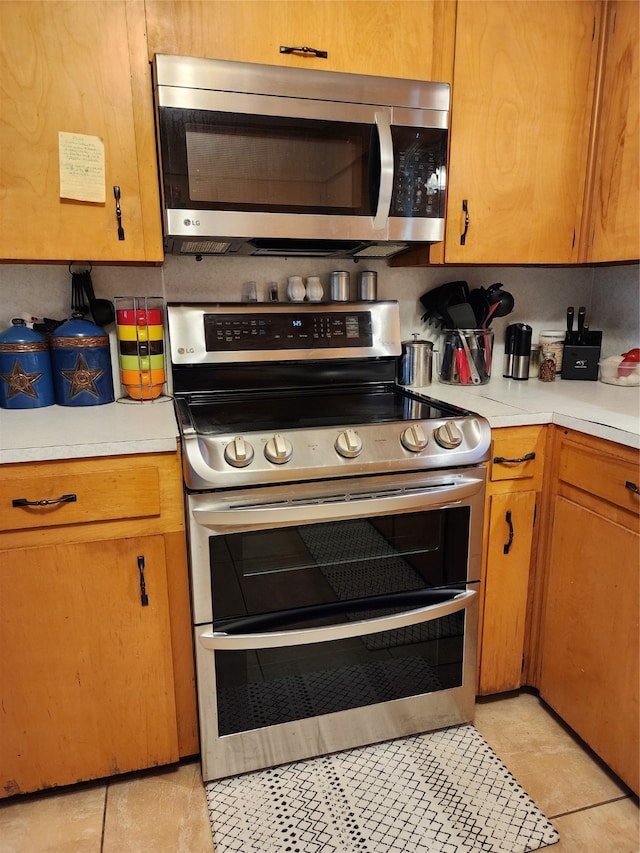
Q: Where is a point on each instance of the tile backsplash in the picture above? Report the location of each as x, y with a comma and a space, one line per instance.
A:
610, 293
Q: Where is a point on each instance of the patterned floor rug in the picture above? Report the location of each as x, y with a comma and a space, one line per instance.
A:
442, 792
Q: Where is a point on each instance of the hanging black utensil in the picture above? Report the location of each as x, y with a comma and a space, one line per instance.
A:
102, 310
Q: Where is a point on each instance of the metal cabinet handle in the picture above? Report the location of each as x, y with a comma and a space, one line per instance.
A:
63, 499
526, 458
465, 209
507, 545
632, 487
144, 598
305, 51
116, 195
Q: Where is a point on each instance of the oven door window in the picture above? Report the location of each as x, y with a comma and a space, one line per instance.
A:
329, 575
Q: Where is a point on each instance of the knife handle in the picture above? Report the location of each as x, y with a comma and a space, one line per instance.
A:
581, 317
570, 314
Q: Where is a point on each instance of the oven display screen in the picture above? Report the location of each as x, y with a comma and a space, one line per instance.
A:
279, 330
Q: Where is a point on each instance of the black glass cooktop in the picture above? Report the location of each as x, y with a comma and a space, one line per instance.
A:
263, 411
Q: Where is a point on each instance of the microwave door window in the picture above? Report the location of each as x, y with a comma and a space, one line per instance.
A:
226, 161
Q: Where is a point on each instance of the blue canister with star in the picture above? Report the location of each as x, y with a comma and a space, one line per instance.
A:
81, 361
26, 379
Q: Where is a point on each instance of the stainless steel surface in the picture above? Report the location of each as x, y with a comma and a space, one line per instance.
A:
187, 341
368, 286
275, 639
314, 454
194, 73
409, 462
266, 747
250, 89
416, 363
289, 505
340, 286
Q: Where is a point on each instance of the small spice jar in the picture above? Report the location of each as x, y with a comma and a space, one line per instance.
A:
547, 370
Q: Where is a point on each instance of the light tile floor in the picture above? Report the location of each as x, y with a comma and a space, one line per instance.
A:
164, 810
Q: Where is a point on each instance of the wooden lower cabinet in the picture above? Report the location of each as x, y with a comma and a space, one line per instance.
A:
96, 663
513, 486
511, 518
590, 666
87, 668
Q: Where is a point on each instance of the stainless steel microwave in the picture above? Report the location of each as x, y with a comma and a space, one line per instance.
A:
267, 160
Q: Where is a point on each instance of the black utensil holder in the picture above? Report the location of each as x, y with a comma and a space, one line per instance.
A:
580, 360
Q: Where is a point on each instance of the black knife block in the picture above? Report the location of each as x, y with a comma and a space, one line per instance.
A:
580, 360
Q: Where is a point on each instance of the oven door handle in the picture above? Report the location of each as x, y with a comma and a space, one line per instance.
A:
455, 600
256, 516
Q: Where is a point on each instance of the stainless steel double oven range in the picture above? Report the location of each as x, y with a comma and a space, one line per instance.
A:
335, 530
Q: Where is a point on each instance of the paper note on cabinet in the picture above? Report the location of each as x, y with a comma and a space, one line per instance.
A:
81, 160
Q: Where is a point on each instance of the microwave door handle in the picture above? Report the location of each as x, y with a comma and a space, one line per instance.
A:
382, 121
456, 600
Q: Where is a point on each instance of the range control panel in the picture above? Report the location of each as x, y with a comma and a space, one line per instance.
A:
225, 333
277, 330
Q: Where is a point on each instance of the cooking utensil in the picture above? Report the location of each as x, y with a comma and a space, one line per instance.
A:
462, 316
473, 370
505, 300
102, 310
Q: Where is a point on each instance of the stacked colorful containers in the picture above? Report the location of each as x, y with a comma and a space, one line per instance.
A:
140, 331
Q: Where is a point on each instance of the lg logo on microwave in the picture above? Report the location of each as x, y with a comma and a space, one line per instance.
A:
185, 350
189, 222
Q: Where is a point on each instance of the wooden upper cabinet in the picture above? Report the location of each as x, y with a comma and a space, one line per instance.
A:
79, 68
613, 229
407, 39
523, 86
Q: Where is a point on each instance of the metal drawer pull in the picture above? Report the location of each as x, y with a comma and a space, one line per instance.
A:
632, 487
305, 51
507, 545
465, 210
144, 598
64, 499
498, 460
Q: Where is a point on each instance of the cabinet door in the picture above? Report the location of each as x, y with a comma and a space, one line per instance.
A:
406, 39
522, 94
590, 660
66, 66
86, 677
511, 519
615, 208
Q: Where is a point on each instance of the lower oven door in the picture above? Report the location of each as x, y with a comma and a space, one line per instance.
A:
333, 615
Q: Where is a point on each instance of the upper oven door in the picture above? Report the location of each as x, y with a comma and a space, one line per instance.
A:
259, 166
307, 548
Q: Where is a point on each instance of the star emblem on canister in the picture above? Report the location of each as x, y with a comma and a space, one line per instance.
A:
83, 378
20, 382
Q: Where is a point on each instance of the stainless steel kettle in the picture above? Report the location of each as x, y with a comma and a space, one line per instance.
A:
416, 362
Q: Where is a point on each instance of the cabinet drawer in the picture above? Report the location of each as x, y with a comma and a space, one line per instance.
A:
78, 498
517, 454
600, 474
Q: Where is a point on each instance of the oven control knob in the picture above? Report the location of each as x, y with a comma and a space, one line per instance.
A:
278, 449
448, 435
414, 438
238, 452
349, 444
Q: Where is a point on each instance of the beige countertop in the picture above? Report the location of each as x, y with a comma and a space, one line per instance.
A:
74, 432
606, 411
58, 432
